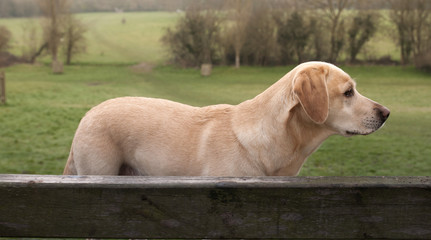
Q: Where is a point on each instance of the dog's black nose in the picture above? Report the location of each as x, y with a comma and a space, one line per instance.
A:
383, 112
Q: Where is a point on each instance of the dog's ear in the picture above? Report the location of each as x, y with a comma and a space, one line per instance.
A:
309, 85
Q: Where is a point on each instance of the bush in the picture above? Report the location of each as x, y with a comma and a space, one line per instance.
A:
293, 36
260, 47
5, 36
195, 38
256, 37
361, 30
255, 34
259, 33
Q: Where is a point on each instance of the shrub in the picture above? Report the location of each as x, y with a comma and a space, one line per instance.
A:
361, 30
5, 36
195, 38
251, 37
260, 47
293, 36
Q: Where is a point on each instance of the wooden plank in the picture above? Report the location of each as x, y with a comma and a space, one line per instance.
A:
2, 88
205, 207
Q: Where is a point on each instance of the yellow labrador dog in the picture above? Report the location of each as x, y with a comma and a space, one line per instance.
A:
271, 134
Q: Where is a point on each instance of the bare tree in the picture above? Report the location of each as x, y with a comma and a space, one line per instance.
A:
61, 30
361, 30
195, 38
54, 10
239, 14
294, 34
334, 10
260, 46
33, 45
400, 15
5, 36
74, 39
411, 18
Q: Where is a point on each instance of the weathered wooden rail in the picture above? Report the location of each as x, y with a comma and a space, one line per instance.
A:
203, 207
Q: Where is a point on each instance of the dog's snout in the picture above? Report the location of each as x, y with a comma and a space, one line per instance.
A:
383, 112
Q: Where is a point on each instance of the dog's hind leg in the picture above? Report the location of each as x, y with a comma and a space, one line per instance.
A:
101, 158
70, 169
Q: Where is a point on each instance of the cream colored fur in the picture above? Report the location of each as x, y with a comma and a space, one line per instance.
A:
271, 134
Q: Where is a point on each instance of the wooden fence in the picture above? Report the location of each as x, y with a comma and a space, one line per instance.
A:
205, 207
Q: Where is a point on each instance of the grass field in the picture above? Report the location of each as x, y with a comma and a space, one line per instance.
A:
38, 123
108, 40
43, 111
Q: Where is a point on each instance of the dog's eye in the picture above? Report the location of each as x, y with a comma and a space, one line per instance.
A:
349, 93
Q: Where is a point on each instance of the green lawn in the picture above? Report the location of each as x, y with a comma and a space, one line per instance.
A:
43, 111
135, 41
108, 40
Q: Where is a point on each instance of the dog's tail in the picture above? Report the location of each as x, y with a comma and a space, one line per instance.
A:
70, 168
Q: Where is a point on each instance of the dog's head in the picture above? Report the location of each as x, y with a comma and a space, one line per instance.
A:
329, 98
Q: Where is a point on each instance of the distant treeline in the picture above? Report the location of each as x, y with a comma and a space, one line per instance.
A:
266, 33
269, 32
29, 8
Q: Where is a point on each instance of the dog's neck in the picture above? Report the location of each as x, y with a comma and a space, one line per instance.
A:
278, 134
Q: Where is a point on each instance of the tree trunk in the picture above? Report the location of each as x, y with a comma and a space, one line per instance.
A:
237, 58
69, 48
37, 54
206, 69
57, 67
332, 53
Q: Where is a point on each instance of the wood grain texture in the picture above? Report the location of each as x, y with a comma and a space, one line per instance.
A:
205, 207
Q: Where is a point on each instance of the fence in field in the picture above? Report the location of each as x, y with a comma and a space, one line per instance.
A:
214, 207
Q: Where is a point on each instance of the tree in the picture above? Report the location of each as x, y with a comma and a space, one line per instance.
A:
239, 14
5, 36
260, 46
334, 9
361, 30
410, 18
32, 43
195, 39
293, 35
318, 37
53, 10
284, 38
74, 39
61, 30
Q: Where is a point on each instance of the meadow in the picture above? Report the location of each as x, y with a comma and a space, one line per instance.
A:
43, 110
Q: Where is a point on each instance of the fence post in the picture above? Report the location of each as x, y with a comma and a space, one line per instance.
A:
2, 88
